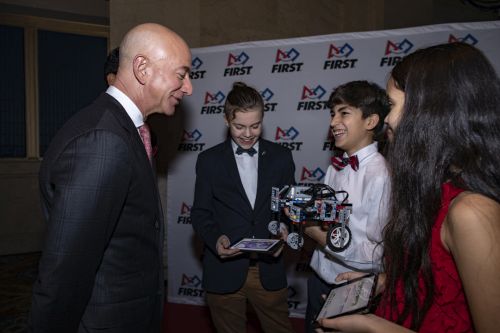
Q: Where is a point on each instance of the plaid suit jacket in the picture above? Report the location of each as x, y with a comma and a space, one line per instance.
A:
101, 267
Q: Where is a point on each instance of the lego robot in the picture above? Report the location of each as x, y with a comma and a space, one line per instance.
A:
312, 203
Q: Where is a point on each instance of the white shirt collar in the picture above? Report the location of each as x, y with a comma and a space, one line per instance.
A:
365, 151
132, 110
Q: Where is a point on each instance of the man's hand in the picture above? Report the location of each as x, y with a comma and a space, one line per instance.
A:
223, 249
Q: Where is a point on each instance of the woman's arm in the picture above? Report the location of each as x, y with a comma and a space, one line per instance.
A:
363, 324
471, 232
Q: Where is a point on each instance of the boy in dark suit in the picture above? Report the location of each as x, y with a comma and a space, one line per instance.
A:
232, 201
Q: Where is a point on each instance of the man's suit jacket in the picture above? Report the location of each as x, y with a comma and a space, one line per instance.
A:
221, 207
101, 267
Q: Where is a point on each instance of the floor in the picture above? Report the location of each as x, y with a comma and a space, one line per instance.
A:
18, 272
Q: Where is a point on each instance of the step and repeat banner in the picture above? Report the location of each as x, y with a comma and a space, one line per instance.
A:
295, 78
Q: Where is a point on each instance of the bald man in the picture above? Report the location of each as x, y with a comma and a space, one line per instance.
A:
101, 266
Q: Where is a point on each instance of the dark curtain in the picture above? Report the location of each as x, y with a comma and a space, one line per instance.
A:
70, 77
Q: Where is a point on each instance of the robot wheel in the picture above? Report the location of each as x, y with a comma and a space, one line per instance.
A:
337, 241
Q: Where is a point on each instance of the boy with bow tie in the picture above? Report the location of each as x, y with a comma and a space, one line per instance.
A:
232, 201
358, 109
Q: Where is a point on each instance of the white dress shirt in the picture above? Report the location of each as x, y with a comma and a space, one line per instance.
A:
248, 167
369, 190
132, 110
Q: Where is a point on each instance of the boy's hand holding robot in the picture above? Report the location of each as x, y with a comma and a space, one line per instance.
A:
312, 203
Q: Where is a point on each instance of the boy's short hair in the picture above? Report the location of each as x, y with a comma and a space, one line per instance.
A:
364, 95
240, 99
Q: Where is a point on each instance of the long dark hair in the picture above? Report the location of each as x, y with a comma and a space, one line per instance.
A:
449, 131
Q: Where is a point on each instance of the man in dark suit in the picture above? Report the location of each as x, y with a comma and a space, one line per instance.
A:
101, 267
232, 201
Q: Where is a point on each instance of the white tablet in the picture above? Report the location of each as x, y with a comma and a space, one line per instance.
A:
257, 245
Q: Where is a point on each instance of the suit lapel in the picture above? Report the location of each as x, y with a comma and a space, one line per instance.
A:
135, 138
263, 188
138, 147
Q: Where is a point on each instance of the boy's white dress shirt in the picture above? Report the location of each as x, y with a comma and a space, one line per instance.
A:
369, 190
248, 167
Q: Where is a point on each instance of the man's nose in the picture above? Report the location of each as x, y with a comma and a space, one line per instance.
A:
187, 86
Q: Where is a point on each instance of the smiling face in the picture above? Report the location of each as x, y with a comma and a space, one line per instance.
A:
397, 100
170, 80
350, 130
154, 68
245, 128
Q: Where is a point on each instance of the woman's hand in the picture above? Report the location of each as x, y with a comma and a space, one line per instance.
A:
347, 276
368, 323
349, 324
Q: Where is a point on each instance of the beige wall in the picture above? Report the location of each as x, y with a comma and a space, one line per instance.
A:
215, 22
21, 224
83, 8
205, 23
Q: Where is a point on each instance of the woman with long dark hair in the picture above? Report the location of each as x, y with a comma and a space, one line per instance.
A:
442, 240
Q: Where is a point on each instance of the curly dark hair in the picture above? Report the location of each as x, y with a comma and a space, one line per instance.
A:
449, 131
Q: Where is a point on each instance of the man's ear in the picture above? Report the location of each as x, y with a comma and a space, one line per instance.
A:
140, 67
372, 121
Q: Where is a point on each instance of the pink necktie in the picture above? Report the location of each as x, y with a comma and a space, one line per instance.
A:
146, 140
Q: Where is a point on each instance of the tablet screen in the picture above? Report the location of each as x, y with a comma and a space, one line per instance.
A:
349, 297
256, 244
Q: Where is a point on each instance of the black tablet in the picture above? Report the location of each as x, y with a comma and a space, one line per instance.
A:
354, 296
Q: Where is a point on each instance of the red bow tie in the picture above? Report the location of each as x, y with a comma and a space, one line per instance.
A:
341, 162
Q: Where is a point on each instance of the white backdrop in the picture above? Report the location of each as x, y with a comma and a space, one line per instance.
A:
295, 78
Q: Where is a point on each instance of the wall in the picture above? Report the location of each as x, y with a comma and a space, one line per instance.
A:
215, 22
90, 11
21, 224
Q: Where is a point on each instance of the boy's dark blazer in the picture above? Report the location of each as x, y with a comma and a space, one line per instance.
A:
101, 267
221, 207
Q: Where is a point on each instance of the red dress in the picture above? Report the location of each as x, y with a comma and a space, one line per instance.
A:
449, 312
